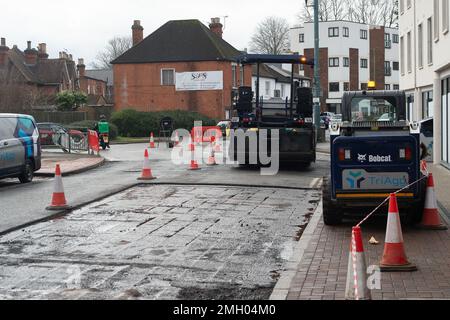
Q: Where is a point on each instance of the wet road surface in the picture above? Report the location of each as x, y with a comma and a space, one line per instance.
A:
160, 242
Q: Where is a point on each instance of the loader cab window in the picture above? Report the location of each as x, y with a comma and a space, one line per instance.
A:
373, 109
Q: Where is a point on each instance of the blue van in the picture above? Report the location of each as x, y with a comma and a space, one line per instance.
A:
20, 147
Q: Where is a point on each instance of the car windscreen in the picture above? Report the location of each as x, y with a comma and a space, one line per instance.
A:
374, 109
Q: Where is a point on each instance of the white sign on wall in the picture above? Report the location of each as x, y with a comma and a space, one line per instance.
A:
199, 80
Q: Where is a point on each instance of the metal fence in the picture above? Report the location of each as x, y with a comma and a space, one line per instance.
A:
70, 142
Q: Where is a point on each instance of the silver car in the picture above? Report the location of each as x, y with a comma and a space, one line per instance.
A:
20, 149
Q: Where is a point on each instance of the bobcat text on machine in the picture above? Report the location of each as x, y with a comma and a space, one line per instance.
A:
288, 121
375, 151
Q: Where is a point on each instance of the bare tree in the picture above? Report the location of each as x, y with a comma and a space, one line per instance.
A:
374, 12
115, 48
271, 36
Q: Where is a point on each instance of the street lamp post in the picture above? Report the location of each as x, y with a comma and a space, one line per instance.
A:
317, 92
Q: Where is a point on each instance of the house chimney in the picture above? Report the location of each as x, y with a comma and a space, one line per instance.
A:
3, 52
81, 68
31, 55
138, 32
216, 26
42, 51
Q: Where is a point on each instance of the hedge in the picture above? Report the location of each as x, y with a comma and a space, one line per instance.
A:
132, 123
90, 124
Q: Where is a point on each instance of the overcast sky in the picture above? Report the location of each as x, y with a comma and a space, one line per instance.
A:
83, 27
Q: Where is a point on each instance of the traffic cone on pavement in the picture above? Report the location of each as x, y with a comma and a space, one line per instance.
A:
152, 141
357, 288
394, 256
146, 171
58, 199
194, 165
431, 219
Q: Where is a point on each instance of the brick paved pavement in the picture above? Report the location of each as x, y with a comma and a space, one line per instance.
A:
322, 272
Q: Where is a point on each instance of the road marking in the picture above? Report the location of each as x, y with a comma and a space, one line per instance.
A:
315, 183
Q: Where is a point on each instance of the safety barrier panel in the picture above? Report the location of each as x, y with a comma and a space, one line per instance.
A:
204, 134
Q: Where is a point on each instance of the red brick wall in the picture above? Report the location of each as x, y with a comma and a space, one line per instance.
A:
138, 86
377, 56
354, 69
309, 72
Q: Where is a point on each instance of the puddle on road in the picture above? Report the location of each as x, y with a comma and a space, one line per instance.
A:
160, 242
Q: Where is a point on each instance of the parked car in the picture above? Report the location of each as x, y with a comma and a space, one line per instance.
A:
20, 148
325, 118
47, 132
427, 137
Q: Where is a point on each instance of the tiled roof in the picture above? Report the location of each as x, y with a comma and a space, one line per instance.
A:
180, 40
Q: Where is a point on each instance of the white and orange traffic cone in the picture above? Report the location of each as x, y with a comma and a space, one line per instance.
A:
146, 170
394, 256
217, 146
59, 201
177, 140
212, 157
423, 167
194, 165
357, 288
431, 219
152, 141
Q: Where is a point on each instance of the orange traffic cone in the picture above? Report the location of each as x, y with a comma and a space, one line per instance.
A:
394, 256
217, 147
146, 171
431, 219
177, 139
357, 288
212, 157
152, 141
194, 165
58, 199
423, 167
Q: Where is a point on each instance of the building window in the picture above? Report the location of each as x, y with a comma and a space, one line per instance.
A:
402, 55
445, 121
387, 41
301, 38
387, 87
167, 77
346, 32
302, 67
283, 91
234, 75
333, 32
445, 16
346, 62
430, 41
409, 52
427, 104
242, 80
334, 87
436, 20
420, 45
346, 86
395, 66
396, 87
387, 69
363, 86
364, 34
267, 88
334, 62
364, 63
395, 38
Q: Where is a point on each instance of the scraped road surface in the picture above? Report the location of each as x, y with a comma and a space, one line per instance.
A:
160, 242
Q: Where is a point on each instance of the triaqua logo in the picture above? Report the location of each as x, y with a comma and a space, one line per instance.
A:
355, 179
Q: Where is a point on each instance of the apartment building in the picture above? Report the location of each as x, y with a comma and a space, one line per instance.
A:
351, 54
425, 67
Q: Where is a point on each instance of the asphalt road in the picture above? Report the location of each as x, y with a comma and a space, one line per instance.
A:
224, 232
23, 204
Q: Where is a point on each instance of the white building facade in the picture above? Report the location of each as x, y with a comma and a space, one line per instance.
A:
425, 67
352, 54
